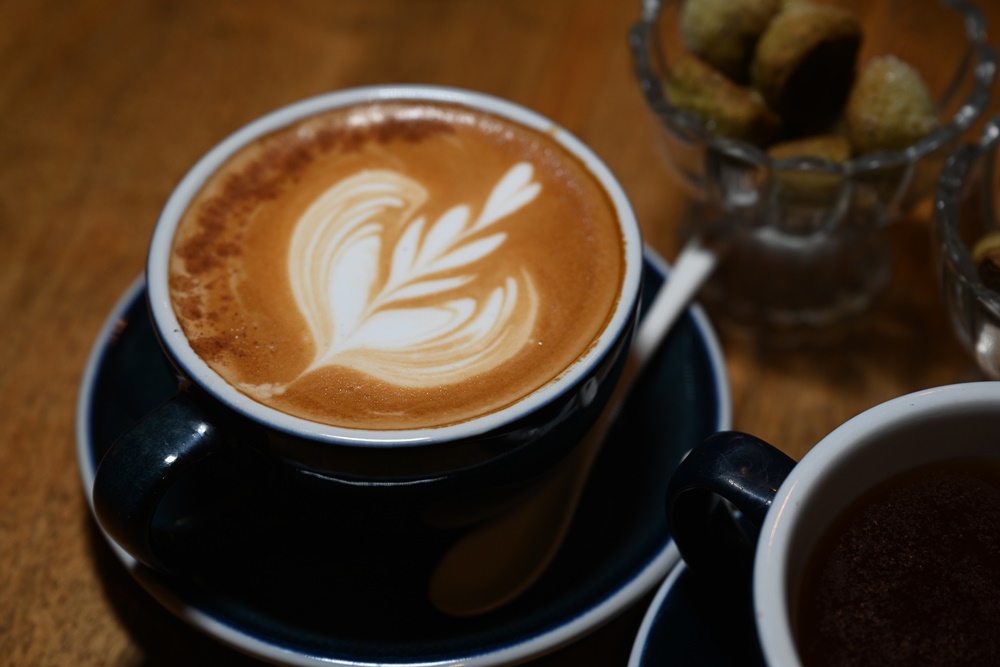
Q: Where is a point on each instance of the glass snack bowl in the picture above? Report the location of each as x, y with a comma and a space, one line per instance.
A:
964, 212
805, 238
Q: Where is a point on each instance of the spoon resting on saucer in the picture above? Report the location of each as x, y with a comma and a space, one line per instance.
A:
501, 558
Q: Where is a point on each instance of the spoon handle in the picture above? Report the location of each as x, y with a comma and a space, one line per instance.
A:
693, 265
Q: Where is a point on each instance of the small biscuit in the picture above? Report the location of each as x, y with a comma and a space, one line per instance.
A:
724, 108
811, 187
804, 63
986, 255
890, 107
832, 147
724, 33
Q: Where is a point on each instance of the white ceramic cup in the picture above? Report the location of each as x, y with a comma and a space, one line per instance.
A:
787, 506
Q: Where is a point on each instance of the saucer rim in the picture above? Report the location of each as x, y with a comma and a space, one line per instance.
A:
645, 579
651, 617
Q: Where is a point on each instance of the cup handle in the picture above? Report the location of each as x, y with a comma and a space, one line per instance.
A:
736, 467
144, 463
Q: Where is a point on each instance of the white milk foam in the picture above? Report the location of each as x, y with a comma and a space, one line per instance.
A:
333, 267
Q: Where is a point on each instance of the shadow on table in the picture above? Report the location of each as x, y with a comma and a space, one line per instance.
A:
161, 638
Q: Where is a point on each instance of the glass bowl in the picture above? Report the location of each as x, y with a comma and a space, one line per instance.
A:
804, 238
964, 211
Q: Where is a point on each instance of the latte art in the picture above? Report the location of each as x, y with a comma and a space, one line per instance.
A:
396, 265
377, 328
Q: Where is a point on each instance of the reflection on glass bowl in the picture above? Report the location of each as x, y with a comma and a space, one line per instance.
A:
965, 211
805, 236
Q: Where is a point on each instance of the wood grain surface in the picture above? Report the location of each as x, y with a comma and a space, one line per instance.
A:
104, 104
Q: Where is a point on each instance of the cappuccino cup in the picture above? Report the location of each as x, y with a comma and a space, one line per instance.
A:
397, 297
880, 547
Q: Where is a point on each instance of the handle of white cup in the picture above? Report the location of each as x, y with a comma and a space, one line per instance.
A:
738, 468
145, 462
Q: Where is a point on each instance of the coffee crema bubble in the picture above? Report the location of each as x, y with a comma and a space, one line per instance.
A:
396, 265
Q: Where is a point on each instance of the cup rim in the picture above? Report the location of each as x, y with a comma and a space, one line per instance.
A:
771, 560
192, 366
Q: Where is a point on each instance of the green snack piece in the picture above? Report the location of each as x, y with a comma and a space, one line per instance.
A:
724, 33
804, 64
890, 107
724, 108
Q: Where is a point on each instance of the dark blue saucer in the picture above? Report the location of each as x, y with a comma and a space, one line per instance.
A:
692, 621
344, 596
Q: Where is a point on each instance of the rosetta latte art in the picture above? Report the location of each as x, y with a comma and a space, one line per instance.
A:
411, 325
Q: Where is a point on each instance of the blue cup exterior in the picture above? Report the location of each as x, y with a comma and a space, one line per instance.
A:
391, 477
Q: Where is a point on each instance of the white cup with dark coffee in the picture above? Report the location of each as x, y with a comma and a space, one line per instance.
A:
880, 547
410, 293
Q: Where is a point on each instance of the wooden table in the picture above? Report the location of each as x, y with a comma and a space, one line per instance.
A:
104, 104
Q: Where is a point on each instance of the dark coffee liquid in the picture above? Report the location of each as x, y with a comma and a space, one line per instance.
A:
909, 574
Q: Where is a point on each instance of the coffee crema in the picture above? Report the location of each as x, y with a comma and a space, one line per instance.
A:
397, 264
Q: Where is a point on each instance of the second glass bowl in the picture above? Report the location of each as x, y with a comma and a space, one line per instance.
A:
804, 238
965, 212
